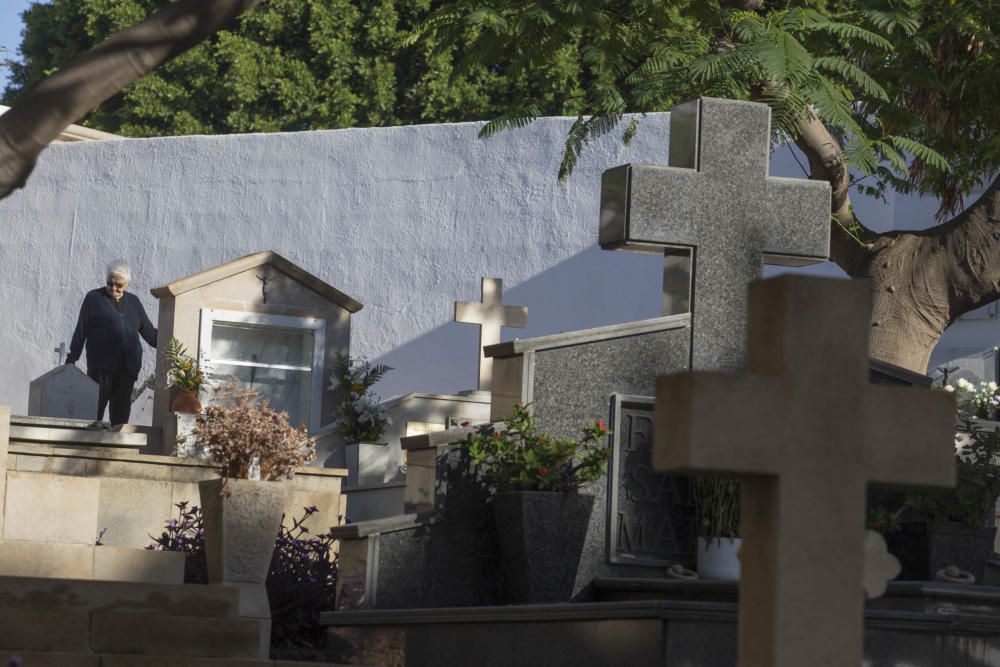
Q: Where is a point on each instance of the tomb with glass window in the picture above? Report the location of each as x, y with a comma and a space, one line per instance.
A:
267, 323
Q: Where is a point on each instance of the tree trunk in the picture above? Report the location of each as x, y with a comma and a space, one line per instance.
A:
40, 115
922, 281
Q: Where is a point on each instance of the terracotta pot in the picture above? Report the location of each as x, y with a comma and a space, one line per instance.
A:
241, 526
186, 401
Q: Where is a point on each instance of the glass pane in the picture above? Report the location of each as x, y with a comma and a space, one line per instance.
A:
261, 344
286, 391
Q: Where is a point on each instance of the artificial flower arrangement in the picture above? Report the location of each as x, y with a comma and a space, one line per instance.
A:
360, 418
517, 457
183, 371
973, 500
983, 398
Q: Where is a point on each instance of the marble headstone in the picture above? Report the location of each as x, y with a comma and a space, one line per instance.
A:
806, 432
716, 204
66, 392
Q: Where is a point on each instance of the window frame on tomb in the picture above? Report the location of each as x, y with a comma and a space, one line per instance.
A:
249, 319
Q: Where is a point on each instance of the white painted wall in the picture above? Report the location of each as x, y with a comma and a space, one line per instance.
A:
404, 219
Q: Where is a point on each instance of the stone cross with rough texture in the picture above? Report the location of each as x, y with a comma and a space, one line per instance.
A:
717, 202
490, 314
806, 432
61, 351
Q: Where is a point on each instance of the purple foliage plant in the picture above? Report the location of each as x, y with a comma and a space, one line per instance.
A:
301, 583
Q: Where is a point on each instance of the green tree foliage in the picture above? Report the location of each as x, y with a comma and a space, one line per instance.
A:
905, 86
292, 65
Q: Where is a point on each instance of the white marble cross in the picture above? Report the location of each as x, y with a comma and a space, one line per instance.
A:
490, 314
61, 351
806, 432
715, 202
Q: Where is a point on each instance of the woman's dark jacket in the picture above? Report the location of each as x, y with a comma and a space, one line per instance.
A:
112, 338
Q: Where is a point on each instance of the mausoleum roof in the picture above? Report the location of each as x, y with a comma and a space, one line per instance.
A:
242, 264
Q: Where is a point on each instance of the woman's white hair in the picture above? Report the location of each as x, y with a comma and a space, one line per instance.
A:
121, 269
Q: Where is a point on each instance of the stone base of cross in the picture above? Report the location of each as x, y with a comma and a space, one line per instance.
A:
806, 432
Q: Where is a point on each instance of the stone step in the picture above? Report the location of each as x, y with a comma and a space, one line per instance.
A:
621, 589
63, 659
18, 594
50, 659
27, 558
25, 434
131, 633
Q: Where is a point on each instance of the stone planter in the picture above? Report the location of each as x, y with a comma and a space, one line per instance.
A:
541, 536
241, 526
923, 548
718, 558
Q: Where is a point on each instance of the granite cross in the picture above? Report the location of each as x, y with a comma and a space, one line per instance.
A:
490, 315
806, 432
61, 351
715, 202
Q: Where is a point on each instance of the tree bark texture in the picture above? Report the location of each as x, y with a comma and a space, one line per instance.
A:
922, 281
41, 114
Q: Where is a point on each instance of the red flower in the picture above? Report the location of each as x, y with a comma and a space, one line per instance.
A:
497, 436
600, 425
543, 470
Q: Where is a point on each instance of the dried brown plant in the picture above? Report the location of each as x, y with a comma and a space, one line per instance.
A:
241, 429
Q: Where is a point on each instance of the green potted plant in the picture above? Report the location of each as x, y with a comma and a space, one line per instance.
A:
540, 514
958, 528
253, 447
360, 418
717, 517
185, 376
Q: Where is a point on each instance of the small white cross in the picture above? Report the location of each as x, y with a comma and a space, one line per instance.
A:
61, 351
490, 315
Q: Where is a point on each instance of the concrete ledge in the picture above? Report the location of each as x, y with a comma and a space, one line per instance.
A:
189, 599
137, 633
80, 561
531, 612
392, 524
66, 437
584, 336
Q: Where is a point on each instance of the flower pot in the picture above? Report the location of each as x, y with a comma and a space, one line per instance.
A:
541, 536
241, 525
186, 401
923, 548
718, 558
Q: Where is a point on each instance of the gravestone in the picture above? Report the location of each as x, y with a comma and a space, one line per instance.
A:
64, 392
715, 201
639, 531
490, 314
806, 432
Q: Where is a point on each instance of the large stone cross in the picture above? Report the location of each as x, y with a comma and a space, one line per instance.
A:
715, 202
806, 432
490, 314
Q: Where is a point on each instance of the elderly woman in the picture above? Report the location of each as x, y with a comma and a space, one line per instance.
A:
110, 323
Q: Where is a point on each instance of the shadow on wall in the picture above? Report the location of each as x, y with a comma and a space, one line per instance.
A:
591, 289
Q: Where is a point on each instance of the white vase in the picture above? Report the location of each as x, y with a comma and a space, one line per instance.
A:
718, 558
